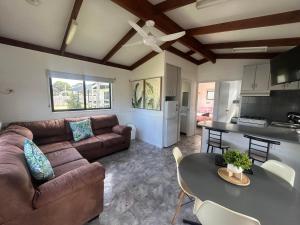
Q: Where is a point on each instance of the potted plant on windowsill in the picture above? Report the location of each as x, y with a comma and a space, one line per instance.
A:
237, 162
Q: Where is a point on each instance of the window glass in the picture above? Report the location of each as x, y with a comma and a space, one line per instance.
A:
67, 94
97, 95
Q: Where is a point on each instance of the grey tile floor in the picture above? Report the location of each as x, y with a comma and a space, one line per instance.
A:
141, 185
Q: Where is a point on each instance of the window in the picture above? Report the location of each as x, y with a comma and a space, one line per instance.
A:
210, 95
97, 95
77, 92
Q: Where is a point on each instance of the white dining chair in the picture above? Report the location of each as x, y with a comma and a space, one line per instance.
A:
184, 190
280, 169
211, 213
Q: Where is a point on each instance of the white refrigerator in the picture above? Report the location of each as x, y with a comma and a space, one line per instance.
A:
171, 121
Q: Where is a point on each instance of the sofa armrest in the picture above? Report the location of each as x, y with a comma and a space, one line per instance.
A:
122, 130
67, 183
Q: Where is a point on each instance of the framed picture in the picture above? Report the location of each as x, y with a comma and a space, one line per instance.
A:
210, 95
137, 88
153, 93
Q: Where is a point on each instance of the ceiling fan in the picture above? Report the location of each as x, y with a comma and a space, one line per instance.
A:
149, 39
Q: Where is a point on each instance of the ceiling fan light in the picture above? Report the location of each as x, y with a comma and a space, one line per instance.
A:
200, 4
72, 31
250, 49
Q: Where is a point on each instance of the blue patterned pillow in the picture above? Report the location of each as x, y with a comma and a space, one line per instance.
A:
81, 129
39, 166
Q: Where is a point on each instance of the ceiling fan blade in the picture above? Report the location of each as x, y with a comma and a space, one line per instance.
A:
171, 37
133, 44
138, 29
156, 48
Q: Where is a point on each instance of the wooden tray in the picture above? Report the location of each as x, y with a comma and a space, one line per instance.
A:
224, 174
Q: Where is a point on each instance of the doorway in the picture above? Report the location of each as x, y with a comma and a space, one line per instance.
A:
185, 107
228, 101
205, 104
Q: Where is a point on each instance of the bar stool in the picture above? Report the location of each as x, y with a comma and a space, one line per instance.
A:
215, 140
259, 148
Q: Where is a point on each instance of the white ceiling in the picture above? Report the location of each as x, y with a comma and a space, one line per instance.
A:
102, 24
280, 31
43, 25
189, 17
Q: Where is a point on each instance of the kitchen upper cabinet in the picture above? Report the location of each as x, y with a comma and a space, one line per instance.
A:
287, 86
248, 78
292, 86
262, 78
256, 80
172, 77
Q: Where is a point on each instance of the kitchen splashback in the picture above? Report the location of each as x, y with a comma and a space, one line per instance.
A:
273, 108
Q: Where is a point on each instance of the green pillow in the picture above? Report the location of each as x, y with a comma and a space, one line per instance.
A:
39, 166
81, 129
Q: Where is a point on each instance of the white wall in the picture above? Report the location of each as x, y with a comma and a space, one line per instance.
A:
149, 123
189, 74
24, 71
225, 69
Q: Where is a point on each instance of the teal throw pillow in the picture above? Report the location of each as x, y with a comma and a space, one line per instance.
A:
39, 166
81, 129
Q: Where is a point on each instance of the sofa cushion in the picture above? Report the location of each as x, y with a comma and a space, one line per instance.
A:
62, 169
111, 139
63, 156
81, 130
47, 131
11, 138
55, 146
39, 166
104, 123
67, 125
23, 131
16, 189
87, 144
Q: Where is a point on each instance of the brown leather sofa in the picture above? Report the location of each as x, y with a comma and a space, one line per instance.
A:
75, 195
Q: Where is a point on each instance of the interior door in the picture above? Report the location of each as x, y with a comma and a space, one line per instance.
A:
223, 106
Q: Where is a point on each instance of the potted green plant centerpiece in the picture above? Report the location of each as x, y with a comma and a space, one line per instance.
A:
237, 162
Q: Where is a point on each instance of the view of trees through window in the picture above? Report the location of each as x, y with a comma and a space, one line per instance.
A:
68, 94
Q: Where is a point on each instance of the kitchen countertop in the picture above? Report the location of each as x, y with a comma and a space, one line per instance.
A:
275, 133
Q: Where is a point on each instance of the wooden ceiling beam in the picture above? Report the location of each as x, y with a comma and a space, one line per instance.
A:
202, 61
257, 43
146, 11
247, 55
262, 21
150, 55
190, 52
183, 55
21, 44
123, 41
172, 4
74, 14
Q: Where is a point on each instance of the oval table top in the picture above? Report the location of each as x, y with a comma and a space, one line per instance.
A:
268, 198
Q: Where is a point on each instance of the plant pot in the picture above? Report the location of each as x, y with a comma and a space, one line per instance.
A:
235, 170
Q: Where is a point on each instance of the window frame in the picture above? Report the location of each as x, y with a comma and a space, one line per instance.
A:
84, 98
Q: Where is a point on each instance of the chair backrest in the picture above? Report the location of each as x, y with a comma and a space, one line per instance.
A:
259, 148
280, 169
177, 155
215, 136
211, 213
